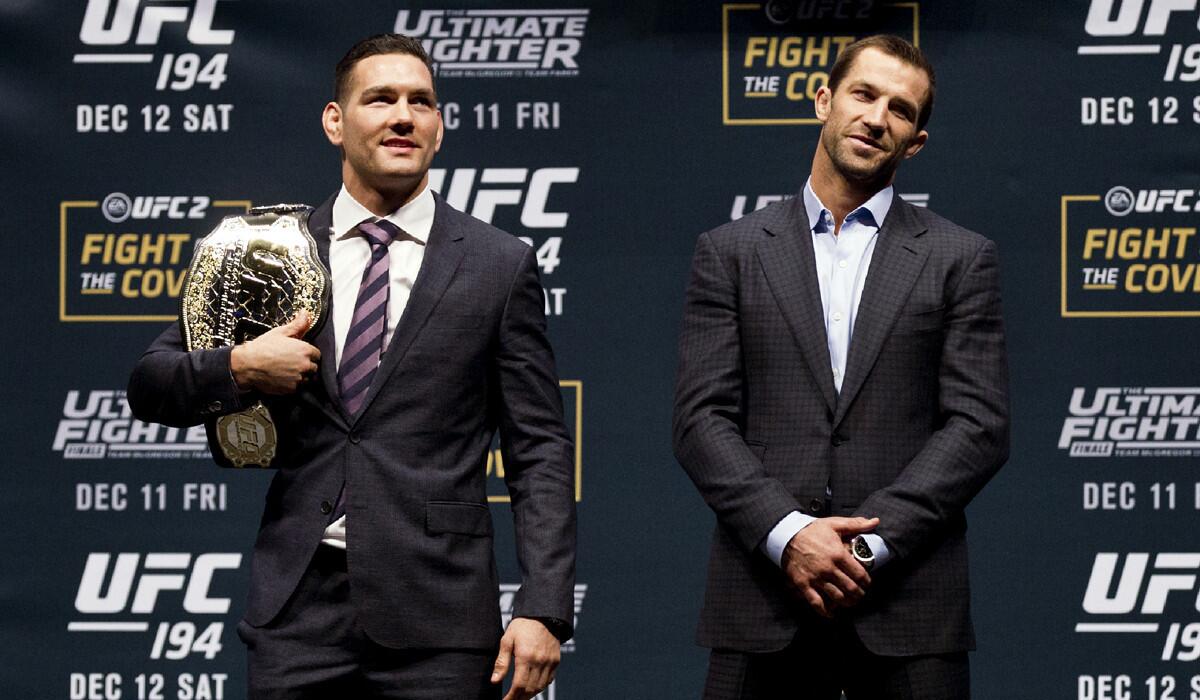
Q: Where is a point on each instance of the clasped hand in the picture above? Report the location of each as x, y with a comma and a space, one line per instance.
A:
819, 565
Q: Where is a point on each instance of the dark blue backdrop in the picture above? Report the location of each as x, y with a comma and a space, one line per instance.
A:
610, 134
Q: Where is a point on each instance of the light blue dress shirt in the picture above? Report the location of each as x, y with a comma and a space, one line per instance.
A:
842, 261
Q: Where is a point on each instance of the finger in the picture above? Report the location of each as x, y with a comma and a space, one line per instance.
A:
502, 659
545, 676
816, 602
845, 577
849, 566
833, 594
844, 585
849, 591
515, 693
298, 326
540, 681
852, 526
843, 523
837, 598
520, 678
533, 683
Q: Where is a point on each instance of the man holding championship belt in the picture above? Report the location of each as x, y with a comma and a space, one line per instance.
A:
373, 572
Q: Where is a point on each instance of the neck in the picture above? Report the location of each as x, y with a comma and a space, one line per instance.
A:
382, 202
839, 193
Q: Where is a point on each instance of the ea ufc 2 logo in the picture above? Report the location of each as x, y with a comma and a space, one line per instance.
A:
1103, 21
134, 584
106, 25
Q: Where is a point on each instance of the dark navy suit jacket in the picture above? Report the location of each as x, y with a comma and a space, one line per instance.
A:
919, 427
469, 357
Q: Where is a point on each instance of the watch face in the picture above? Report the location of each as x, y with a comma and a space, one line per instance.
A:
861, 549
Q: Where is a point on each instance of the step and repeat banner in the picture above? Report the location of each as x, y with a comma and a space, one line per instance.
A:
608, 135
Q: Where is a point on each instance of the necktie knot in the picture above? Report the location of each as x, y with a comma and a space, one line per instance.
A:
379, 233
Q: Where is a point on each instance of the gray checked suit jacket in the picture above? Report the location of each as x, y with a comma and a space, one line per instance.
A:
469, 357
919, 427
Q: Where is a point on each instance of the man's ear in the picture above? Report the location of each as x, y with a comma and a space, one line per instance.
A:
821, 105
915, 146
331, 123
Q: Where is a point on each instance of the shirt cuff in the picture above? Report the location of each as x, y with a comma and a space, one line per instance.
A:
783, 532
561, 630
879, 548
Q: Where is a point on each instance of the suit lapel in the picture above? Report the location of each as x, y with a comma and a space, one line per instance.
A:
443, 254
899, 255
787, 261
320, 224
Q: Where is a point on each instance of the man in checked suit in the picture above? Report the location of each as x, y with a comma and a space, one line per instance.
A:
373, 573
842, 395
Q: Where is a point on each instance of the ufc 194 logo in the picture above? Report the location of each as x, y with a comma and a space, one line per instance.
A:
504, 187
1131, 594
1136, 27
482, 191
127, 589
111, 28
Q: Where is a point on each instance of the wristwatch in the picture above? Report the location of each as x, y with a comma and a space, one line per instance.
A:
862, 552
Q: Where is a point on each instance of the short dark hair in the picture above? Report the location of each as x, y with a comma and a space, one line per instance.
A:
896, 47
375, 46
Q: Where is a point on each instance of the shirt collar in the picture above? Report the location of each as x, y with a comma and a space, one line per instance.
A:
414, 218
871, 213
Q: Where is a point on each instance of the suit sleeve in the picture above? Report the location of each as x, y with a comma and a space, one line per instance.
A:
972, 441
172, 386
538, 455
707, 425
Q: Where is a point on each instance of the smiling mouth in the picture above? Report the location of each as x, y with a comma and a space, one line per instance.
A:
871, 143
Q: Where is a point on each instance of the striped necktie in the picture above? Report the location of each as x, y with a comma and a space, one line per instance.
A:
368, 328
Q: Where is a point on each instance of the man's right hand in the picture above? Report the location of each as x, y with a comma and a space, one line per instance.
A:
277, 361
821, 568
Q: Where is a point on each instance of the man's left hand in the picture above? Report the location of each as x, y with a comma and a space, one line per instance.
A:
533, 653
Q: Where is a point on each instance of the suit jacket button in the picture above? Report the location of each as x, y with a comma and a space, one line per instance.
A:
355, 438
326, 507
816, 505
214, 407
837, 440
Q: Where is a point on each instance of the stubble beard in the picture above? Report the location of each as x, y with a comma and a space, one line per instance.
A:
865, 174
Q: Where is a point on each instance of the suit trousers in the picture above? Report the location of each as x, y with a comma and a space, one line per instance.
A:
823, 663
316, 649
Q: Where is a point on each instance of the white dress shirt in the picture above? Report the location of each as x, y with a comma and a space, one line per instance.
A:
843, 258
349, 254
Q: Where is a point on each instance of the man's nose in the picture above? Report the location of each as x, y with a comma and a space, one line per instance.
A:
876, 116
400, 115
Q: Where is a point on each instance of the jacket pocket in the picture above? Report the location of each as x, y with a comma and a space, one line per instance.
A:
458, 517
921, 321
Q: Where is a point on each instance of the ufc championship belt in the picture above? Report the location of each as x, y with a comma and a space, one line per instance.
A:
252, 273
